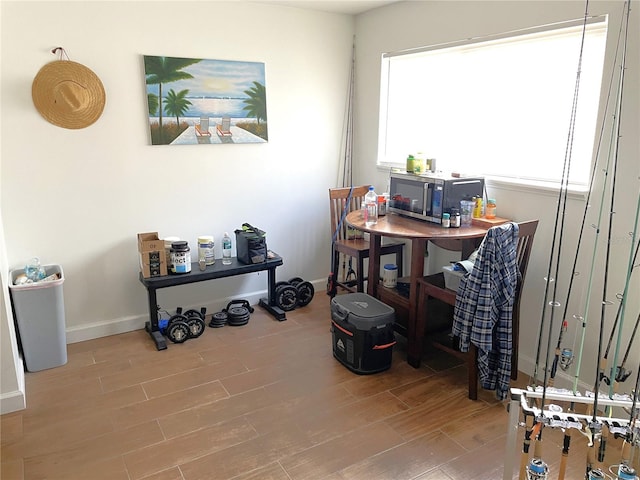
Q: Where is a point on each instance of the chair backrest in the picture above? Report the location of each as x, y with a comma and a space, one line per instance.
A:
204, 123
526, 232
338, 201
226, 124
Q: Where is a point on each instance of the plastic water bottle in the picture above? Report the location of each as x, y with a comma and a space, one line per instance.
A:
34, 270
226, 249
370, 207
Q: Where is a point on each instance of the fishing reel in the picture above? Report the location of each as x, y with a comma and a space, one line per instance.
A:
622, 374
596, 474
537, 470
625, 472
566, 358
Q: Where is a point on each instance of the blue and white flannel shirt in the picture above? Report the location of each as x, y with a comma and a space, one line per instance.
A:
484, 307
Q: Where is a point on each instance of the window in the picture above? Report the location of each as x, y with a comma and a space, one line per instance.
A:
498, 106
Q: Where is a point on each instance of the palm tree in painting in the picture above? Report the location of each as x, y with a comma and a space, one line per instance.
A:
257, 102
176, 104
152, 101
161, 70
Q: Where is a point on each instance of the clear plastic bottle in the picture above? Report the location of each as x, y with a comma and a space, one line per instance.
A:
370, 207
226, 249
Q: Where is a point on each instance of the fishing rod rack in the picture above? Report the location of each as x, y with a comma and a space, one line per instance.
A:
553, 416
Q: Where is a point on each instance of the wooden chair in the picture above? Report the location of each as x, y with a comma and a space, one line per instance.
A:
350, 242
433, 287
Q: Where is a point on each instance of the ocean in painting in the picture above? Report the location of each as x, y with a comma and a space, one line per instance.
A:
216, 107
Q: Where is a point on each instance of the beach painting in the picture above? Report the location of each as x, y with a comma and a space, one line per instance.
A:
195, 101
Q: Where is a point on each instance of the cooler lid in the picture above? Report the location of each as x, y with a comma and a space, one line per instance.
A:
363, 310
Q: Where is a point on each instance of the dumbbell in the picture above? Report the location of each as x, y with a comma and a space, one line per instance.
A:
286, 296
305, 291
195, 321
294, 293
182, 327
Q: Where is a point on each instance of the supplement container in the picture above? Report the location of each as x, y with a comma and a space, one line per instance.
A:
390, 275
490, 209
455, 218
180, 257
167, 250
205, 249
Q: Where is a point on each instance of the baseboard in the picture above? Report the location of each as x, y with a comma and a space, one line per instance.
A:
562, 379
15, 400
106, 328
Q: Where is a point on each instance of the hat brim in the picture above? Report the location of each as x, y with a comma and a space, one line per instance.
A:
53, 74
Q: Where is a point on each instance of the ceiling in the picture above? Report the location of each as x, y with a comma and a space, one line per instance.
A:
349, 7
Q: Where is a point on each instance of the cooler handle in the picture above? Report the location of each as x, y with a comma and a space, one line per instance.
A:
382, 347
344, 330
341, 314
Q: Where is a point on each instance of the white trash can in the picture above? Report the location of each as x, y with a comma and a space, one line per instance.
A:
38, 309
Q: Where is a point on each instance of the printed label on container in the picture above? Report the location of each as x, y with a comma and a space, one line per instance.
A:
181, 262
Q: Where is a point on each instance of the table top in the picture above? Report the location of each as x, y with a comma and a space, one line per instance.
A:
393, 225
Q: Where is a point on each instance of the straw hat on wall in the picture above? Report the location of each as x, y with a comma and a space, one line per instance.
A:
68, 94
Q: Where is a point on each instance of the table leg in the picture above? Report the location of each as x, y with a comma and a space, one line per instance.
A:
417, 270
374, 265
152, 325
269, 303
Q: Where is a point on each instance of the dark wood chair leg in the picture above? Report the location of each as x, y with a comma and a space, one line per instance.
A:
360, 273
472, 368
415, 352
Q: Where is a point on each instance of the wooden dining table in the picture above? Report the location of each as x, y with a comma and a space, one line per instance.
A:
463, 239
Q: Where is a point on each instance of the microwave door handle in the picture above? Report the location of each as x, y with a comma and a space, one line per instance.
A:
428, 194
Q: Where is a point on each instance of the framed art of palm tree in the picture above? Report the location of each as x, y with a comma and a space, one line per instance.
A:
200, 101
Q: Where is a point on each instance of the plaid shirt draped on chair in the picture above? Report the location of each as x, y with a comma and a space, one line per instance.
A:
484, 307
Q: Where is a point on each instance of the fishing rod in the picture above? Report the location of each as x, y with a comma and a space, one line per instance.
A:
631, 437
635, 228
537, 468
347, 172
623, 376
621, 373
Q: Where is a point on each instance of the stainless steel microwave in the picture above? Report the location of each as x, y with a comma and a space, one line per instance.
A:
428, 196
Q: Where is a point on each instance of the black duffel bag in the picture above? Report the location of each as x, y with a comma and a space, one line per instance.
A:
251, 244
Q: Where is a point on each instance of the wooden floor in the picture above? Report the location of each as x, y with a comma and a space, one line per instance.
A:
263, 401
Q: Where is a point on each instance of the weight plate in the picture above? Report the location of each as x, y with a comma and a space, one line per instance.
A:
218, 319
281, 284
237, 312
295, 281
287, 297
305, 293
178, 331
196, 326
193, 313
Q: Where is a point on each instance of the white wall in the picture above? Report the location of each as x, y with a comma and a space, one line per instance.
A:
419, 23
79, 197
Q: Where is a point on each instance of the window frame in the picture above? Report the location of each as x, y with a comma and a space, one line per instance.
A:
595, 23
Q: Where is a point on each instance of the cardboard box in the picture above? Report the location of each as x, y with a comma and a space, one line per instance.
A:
148, 242
153, 261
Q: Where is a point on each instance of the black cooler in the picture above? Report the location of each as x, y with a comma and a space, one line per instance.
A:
362, 332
